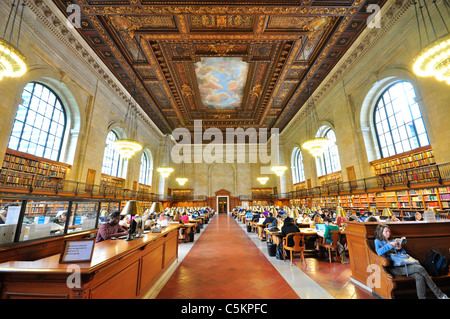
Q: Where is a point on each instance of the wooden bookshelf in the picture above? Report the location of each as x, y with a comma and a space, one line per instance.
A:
329, 179
25, 170
256, 192
299, 186
112, 181
418, 162
444, 197
183, 192
145, 188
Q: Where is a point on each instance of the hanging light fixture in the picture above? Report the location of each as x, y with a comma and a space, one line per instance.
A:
262, 180
165, 170
182, 180
279, 170
314, 145
434, 58
127, 147
12, 61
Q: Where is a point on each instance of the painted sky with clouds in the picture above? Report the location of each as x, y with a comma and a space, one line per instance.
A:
221, 81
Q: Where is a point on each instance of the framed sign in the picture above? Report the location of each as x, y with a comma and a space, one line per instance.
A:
77, 251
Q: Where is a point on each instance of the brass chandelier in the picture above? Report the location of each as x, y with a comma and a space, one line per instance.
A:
12, 61
434, 58
314, 145
127, 147
165, 169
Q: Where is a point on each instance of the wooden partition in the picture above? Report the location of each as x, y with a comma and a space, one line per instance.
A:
119, 269
422, 236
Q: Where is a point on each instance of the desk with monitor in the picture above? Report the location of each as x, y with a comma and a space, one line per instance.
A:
118, 269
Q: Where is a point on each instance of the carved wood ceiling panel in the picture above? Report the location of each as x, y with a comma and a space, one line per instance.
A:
286, 46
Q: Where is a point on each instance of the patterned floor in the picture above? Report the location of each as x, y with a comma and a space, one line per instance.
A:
226, 262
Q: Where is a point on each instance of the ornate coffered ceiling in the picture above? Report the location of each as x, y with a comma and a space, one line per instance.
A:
228, 63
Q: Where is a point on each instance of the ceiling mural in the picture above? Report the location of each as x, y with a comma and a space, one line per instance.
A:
235, 64
221, 82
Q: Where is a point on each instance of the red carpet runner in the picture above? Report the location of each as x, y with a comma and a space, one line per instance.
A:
225, 264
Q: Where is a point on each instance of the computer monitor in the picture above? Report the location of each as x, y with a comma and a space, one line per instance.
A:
320, 226
136, 228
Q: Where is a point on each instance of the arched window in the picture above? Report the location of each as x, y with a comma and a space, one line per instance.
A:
331, 163
398, 120
145, 176
39, 124
298, 171
111, 157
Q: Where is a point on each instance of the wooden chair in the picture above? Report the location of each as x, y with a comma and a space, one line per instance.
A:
335, 235
299, 245
255, 227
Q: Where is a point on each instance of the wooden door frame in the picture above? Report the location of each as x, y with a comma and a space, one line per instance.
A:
228, 202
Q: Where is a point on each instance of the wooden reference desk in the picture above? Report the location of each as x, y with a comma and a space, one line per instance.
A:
118, 269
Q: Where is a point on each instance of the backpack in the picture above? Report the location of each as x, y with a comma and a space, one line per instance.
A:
435, 263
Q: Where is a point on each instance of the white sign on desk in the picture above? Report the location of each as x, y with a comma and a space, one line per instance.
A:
429, 216
77, 251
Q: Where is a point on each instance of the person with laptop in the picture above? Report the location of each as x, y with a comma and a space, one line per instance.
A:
325, 232
111, 228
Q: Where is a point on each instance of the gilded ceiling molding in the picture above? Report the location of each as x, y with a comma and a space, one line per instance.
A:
367, 42
53, 23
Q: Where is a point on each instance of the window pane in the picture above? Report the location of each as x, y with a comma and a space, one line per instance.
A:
399, 99
423, 138
34, 120
420, 127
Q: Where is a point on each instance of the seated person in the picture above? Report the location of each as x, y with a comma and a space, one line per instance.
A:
329, 226
340, 220
393, 218
372, 219
256, 217
417, 217
184, 218
289, 227
384, 246
111, 228
269, 220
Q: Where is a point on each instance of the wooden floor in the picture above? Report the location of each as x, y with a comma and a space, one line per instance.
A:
226, 262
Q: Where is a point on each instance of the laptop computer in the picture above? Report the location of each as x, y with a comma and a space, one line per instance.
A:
321, 227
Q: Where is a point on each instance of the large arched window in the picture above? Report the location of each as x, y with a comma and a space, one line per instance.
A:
398, 120
331, 163
145, 175
39, 124
111, 157
298, 171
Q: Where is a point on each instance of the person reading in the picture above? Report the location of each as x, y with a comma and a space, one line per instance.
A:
111, 228
385, 246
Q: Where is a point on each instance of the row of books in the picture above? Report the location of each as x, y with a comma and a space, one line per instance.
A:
408, 199
22, 164
420, 159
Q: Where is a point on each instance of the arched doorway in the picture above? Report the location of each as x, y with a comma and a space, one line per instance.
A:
222, 201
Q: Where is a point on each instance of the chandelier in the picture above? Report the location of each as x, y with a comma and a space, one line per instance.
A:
12, 61
182, 180
262, 180
127, 147
279, 170
165, 170
314, 145
434, 58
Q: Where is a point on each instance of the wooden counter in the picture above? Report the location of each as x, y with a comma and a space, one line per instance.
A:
118, 269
